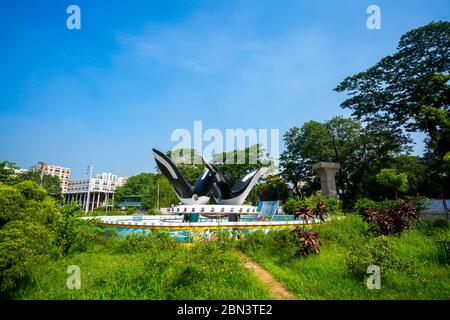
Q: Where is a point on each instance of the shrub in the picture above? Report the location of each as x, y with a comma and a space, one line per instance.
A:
333, 205
23, 245
376, 252
307, 241
154, 240
11, 202
30, 190
289, 206
328, 205
72, 233
303, 212
320, 210
392, 219
363, 204
439, 224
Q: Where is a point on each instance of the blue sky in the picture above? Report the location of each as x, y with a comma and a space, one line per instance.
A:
137, 70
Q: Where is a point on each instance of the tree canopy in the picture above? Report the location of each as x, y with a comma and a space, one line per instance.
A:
410, 89
361, 151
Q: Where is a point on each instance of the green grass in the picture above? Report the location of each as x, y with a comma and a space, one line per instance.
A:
155, 267
327, 276
201, 272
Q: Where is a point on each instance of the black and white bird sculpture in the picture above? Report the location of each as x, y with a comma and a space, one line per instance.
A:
189, 195
235, 195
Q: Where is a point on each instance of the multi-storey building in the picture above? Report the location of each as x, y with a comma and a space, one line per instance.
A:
62, 173
94, 192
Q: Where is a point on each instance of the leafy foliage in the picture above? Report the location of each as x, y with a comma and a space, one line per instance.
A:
72, 233
26, 214
393, 181
237, 163
361, 152
410, 89
50, 183
273, 187
392, 220
23, 244
374, 252
7, 171
146, 185
307, 241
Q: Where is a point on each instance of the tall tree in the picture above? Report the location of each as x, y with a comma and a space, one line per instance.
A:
409, 89
146, 185
273, 187
7, 173
296, 166
237, 163
51, 183
361, 152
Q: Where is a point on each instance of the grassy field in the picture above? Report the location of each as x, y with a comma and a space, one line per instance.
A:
154, 271
158, 268
409, 263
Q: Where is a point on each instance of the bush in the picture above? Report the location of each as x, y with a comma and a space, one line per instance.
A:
71, 233
333, 205
290, 206
307, 241
376, 252
303, 212
11, 202
364, 203
23, 245
26, 213
393, 218
317, 203
439, 224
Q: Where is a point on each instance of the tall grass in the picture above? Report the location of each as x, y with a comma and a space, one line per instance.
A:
147, 268
156, 267
410, 269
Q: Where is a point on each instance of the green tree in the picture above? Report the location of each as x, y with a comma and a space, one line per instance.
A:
394, 182
65, 228
237, 163
23, 244
167, 194
146, 185
414, 168
273, 187
26, 216
136, 185
295, 167
51, 183
410, 89
7, 174
361, 152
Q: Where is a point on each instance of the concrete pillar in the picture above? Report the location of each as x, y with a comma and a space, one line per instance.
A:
327, 173
98, 199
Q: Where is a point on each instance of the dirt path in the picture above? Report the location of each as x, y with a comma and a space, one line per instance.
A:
276, 289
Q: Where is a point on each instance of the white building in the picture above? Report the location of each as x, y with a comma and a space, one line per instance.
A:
62, 173
20, 171
94, 192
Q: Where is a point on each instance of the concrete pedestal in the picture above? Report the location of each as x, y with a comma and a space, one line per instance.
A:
327, 173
